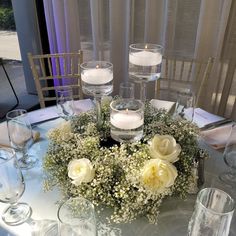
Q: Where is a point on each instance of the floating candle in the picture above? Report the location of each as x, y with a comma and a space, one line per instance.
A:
145, 58
97, 76
126, 120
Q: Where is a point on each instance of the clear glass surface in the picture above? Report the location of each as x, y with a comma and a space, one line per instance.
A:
230, 159
126, 90
212, 215
65, 102
127, 119
12, 187
77, 218
145, 64
20, 135
185, 105
97, 81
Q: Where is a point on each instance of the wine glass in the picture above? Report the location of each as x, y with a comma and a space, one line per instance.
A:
145, 64
184, 106
65, 102
230, 158
20, 135
12, 187
97, 81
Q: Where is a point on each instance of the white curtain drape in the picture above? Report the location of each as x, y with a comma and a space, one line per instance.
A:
103, 29
63, 25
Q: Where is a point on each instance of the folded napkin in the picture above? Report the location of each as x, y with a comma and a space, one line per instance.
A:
41, 115
162, 104
203, 118
217, 138
4, 138
50, 113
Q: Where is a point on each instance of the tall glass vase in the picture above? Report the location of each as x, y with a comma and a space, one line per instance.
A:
97, 81
144, 64
97, 101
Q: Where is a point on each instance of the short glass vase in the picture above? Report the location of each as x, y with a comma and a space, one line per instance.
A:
126, 120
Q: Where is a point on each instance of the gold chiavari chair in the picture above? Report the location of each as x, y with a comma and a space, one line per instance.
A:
178, 74
62, 69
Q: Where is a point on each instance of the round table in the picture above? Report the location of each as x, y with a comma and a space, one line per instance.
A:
174, 216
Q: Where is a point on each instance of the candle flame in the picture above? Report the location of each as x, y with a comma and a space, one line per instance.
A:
146, 46
126, 110
97, 66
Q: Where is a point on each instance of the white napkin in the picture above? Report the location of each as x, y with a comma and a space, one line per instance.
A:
217, 138
42, 114
49, 113
162, 104
4, 138
202, 118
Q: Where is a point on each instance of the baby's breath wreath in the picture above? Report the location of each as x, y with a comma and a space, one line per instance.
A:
132, 179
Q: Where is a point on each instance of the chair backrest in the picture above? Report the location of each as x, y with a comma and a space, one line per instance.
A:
183, 73
56, 70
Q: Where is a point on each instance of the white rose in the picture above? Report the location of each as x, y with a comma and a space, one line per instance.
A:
165, 148
157, 175
81, 171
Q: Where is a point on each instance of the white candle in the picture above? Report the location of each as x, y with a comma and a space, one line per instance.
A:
126, 120
97, 76
145, 58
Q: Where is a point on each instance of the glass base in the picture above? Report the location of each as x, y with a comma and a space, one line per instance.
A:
17, 214
228, 178
28, 162
126, 135
44, 227
126, 138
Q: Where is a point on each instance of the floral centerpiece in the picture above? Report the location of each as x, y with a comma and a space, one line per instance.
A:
133, 179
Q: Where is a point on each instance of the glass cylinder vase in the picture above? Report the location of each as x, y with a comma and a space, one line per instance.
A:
97, 81
127, 119
145, 64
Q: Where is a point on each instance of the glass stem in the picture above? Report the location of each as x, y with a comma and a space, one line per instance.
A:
13, 206
143, 91
98, 110
24, 157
